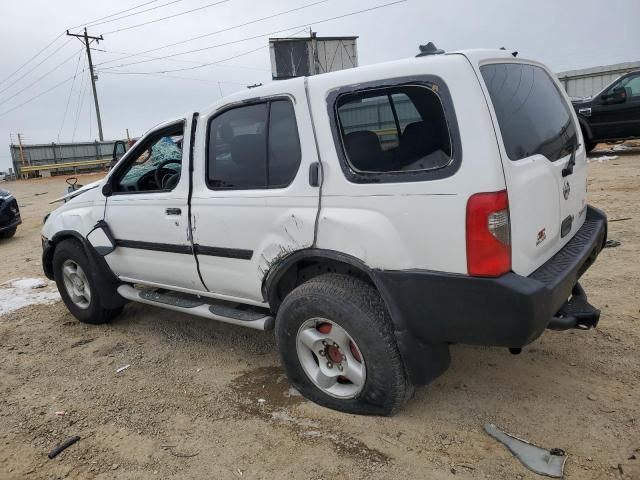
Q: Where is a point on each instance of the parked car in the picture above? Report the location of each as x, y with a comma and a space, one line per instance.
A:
612, 114
372, 216
9, 214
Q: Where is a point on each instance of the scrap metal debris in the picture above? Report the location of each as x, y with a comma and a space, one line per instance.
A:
612, 244
64, 445
538, 460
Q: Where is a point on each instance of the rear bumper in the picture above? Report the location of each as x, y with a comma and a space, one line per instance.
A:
509, 311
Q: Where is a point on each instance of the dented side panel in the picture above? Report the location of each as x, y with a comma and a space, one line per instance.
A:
261, 225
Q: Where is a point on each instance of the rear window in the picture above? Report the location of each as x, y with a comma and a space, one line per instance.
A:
396, 129
533, 116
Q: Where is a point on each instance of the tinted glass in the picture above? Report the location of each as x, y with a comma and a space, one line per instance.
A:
237, 156
284, 145
632, 85
399, 129
533, 116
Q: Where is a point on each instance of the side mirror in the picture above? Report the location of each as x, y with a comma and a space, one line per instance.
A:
119, 149
107, 189
617, 95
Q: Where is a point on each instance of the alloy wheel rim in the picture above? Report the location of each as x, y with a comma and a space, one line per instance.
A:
76, 284
331, 358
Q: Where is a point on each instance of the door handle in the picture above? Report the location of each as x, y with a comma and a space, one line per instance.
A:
173, 211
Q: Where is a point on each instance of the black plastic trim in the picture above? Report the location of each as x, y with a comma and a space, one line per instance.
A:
106, 281
437, 86
155, 247
509, 311
237, 253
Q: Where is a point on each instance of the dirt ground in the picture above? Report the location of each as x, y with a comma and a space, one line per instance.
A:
208, 400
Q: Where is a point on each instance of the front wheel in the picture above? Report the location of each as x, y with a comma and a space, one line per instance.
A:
71, 271
337, 345
8, 233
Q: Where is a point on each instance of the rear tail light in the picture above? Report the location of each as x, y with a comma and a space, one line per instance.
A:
488, 234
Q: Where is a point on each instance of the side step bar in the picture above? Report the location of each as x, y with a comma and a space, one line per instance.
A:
576, 313
200, 306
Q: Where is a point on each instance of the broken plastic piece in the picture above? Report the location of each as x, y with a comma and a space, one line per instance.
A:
64, 445
538, 460
122, 368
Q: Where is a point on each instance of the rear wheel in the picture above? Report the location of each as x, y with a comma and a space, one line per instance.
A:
8, 233
78, 290
336, 342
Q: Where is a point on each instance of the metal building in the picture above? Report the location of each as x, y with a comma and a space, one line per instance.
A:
298, 57
590, 81
60, 158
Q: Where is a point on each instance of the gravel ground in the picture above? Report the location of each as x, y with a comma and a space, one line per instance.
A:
207, 400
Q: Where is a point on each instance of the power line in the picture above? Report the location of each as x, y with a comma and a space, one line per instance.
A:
27, 62
184, 60
40, 77
167, 17
93, 24
66, 109
162, 75
202, 65
261, 35
86, 24
80, 104
35, 97
268, 17
28, 72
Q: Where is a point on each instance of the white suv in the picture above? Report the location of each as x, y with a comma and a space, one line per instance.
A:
371, 216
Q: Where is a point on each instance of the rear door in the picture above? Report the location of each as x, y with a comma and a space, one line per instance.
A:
537, 133
252, 201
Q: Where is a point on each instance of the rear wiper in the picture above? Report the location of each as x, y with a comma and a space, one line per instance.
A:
568, 170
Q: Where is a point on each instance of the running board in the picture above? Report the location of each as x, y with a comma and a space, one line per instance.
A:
222, 311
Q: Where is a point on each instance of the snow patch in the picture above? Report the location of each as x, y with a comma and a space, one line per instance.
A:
603, 158
21, 292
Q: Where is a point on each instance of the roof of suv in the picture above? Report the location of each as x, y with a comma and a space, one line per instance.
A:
474, 56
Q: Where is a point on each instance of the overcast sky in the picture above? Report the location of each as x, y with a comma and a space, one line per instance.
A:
564, 34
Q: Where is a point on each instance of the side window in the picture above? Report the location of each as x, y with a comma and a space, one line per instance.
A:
256, 146
533, 116
632, 85
397, 129
156, 166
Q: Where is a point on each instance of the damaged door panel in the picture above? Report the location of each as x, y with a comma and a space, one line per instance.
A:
249, 209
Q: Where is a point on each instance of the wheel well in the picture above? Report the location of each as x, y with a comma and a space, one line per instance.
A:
47, 260
284, 279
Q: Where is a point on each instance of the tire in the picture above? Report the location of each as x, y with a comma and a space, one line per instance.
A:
8, 233
83, 302
347, 303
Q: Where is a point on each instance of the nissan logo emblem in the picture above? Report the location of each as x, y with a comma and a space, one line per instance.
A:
566, 190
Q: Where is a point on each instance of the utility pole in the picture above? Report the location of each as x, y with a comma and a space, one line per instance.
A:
84, 38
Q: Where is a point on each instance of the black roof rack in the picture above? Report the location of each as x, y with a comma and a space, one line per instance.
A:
429, 49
